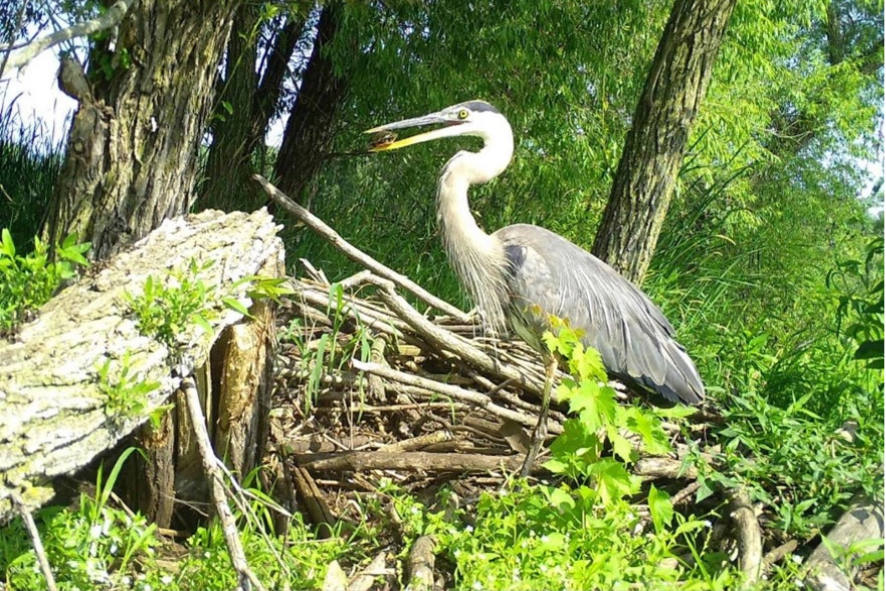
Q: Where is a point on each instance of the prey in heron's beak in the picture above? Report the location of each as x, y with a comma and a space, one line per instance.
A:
385, 139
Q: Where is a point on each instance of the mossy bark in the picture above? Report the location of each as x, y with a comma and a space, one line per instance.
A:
132, 153
647, 172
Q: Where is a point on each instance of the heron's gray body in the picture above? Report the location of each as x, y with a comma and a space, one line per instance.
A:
521, 275
549, 275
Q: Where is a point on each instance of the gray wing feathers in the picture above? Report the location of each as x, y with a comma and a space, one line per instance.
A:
635, 340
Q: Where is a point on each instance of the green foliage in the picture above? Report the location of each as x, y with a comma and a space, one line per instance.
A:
804, 428
600, 419
127, 396
30, 161
92, 548
331, 351
553, 537
98, 546
27, 282
166, 308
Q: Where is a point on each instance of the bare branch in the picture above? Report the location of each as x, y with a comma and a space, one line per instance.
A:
216, 489
328, 234
104, 21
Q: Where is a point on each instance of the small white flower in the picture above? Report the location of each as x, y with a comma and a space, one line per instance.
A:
414, 509
477, 585
797, 559
166, 579
207, 555
707, 523
457, 553
469, 528
95, 532
113, 549
799, 583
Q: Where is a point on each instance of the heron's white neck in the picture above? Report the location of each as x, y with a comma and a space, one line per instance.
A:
479, 259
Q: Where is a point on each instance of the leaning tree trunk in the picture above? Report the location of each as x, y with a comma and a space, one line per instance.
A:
644, 181
132, 151
307, 140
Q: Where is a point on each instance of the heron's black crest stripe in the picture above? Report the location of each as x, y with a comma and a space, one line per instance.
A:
480, 106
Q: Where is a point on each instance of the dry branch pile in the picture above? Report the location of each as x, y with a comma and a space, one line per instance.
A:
365, 383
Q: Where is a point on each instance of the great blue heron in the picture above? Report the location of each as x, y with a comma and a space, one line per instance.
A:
520, 275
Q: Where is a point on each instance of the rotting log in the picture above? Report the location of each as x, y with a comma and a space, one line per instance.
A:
54, 412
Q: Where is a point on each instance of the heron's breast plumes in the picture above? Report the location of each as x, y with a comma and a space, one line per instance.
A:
478, 259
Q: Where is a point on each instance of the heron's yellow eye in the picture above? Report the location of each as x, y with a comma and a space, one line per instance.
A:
463, 114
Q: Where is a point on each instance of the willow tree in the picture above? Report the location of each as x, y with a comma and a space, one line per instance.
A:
144, 103
647, 172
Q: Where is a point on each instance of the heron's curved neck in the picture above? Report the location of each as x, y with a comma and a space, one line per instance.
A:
478, 258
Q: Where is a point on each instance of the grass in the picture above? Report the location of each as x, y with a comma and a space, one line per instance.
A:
30, 162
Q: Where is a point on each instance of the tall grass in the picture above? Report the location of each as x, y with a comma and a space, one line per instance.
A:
30, 163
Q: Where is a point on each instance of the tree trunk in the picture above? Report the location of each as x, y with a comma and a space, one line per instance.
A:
646, 175
307, 140
133, 146
246, 105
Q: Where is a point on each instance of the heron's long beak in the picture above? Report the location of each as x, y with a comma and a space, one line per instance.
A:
434, 118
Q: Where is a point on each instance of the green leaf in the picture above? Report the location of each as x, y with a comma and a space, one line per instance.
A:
613, 480
202, 322
235, 305
621, 447
870, 350
594, 405
561, 499
660, 509
8, 246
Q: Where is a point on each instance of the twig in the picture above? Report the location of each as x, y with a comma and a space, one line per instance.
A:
364, 579
476, 398
111, 17
247, 578
656, 467
28, 520
748, 535
419, 442
359, 461
442, 339
683, 495
777, 554
421, 564
353, 253
313, 501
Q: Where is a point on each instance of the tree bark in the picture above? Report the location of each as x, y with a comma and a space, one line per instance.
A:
57, 413
247, 103
307, 140
133, 146
654, 148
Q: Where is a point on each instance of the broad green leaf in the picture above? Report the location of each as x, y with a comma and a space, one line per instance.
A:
660, 508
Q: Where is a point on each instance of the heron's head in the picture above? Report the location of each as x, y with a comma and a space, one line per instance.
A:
475, 118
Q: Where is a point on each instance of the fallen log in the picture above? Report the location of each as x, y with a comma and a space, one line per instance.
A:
82, 376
